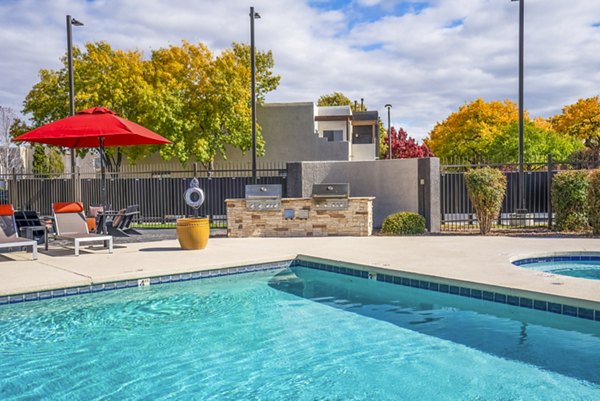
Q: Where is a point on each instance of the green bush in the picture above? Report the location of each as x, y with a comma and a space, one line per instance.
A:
569, 200
403, 223
594, 200
486, 187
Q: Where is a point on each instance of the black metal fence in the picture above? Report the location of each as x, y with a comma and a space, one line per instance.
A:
157, 190
457, 213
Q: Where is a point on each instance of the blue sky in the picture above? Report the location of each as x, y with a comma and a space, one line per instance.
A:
425, 58
370, 11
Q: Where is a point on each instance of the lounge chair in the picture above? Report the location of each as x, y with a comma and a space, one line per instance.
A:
70, 223
9, 235
30, 226
118, 224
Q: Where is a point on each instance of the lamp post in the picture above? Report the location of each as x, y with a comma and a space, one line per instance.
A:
521, 208
389, 106
70, 22
253, 16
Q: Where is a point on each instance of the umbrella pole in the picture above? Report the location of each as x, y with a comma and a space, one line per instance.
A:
103, 182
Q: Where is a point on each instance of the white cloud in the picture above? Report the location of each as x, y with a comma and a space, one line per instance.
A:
426, 64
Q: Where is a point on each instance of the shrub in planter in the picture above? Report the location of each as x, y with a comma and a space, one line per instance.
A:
403, 223
486, 187
594, 201
569, 200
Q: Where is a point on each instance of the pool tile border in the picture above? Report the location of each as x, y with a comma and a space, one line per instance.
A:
119, 285
363, 273
562, 258
489, 296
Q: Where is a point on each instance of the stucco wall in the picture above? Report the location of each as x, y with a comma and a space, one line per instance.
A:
289, 133
395, 184
362, 151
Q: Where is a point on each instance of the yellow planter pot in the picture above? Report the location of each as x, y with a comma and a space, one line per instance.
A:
193, 233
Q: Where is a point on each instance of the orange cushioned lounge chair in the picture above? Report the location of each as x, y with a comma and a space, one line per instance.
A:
71, 224
9, 235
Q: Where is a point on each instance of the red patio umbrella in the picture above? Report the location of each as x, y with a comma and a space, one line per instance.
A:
93, 128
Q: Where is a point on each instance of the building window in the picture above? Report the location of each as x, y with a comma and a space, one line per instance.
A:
334, 135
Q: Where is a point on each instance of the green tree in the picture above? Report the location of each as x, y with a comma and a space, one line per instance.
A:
206, 101
537, 144
334, 99
47, 161
198, 101
103, 76
466, 134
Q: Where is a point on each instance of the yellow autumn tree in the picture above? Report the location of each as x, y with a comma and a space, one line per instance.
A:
198, 100
581, 120
543, 123
466, 135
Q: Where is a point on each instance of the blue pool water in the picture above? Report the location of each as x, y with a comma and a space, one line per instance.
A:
574, 266
292, 334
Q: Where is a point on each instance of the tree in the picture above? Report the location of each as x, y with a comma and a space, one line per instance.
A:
198, 101
537, 144
10, 154
581, 120
334, 99
383, 143
47, 161
103, 76
466, 135
206, 101
405, 147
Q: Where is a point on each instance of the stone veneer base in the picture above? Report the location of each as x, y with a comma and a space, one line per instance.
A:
305, 221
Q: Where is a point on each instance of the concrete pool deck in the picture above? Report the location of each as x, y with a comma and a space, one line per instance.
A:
474, 261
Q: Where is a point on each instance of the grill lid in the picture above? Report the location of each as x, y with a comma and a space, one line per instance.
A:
326, 191
263, 191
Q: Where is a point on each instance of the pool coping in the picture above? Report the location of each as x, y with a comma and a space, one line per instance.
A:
583, 309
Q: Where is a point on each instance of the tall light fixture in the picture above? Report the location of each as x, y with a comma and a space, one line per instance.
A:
253, 16
521, 208
70, 22
389, 106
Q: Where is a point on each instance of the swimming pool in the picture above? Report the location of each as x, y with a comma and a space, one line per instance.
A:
582, 266
292, 334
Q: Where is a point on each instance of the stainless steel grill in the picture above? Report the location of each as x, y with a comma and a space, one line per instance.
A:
331, 196
263, 197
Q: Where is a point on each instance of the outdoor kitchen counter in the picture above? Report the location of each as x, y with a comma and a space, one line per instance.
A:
299, 217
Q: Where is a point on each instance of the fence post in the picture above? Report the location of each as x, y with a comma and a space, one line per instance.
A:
14, 193
549, 185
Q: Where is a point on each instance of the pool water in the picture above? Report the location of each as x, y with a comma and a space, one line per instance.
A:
589, 269
292, 334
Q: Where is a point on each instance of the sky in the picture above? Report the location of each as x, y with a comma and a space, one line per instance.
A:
425, 58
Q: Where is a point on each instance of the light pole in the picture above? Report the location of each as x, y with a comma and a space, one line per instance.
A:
253, 16
389, 106
70, 22
521, 208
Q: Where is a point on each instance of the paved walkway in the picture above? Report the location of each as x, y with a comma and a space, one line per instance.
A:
479, 262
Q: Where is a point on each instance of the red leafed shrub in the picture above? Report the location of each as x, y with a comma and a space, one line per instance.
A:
405, 147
